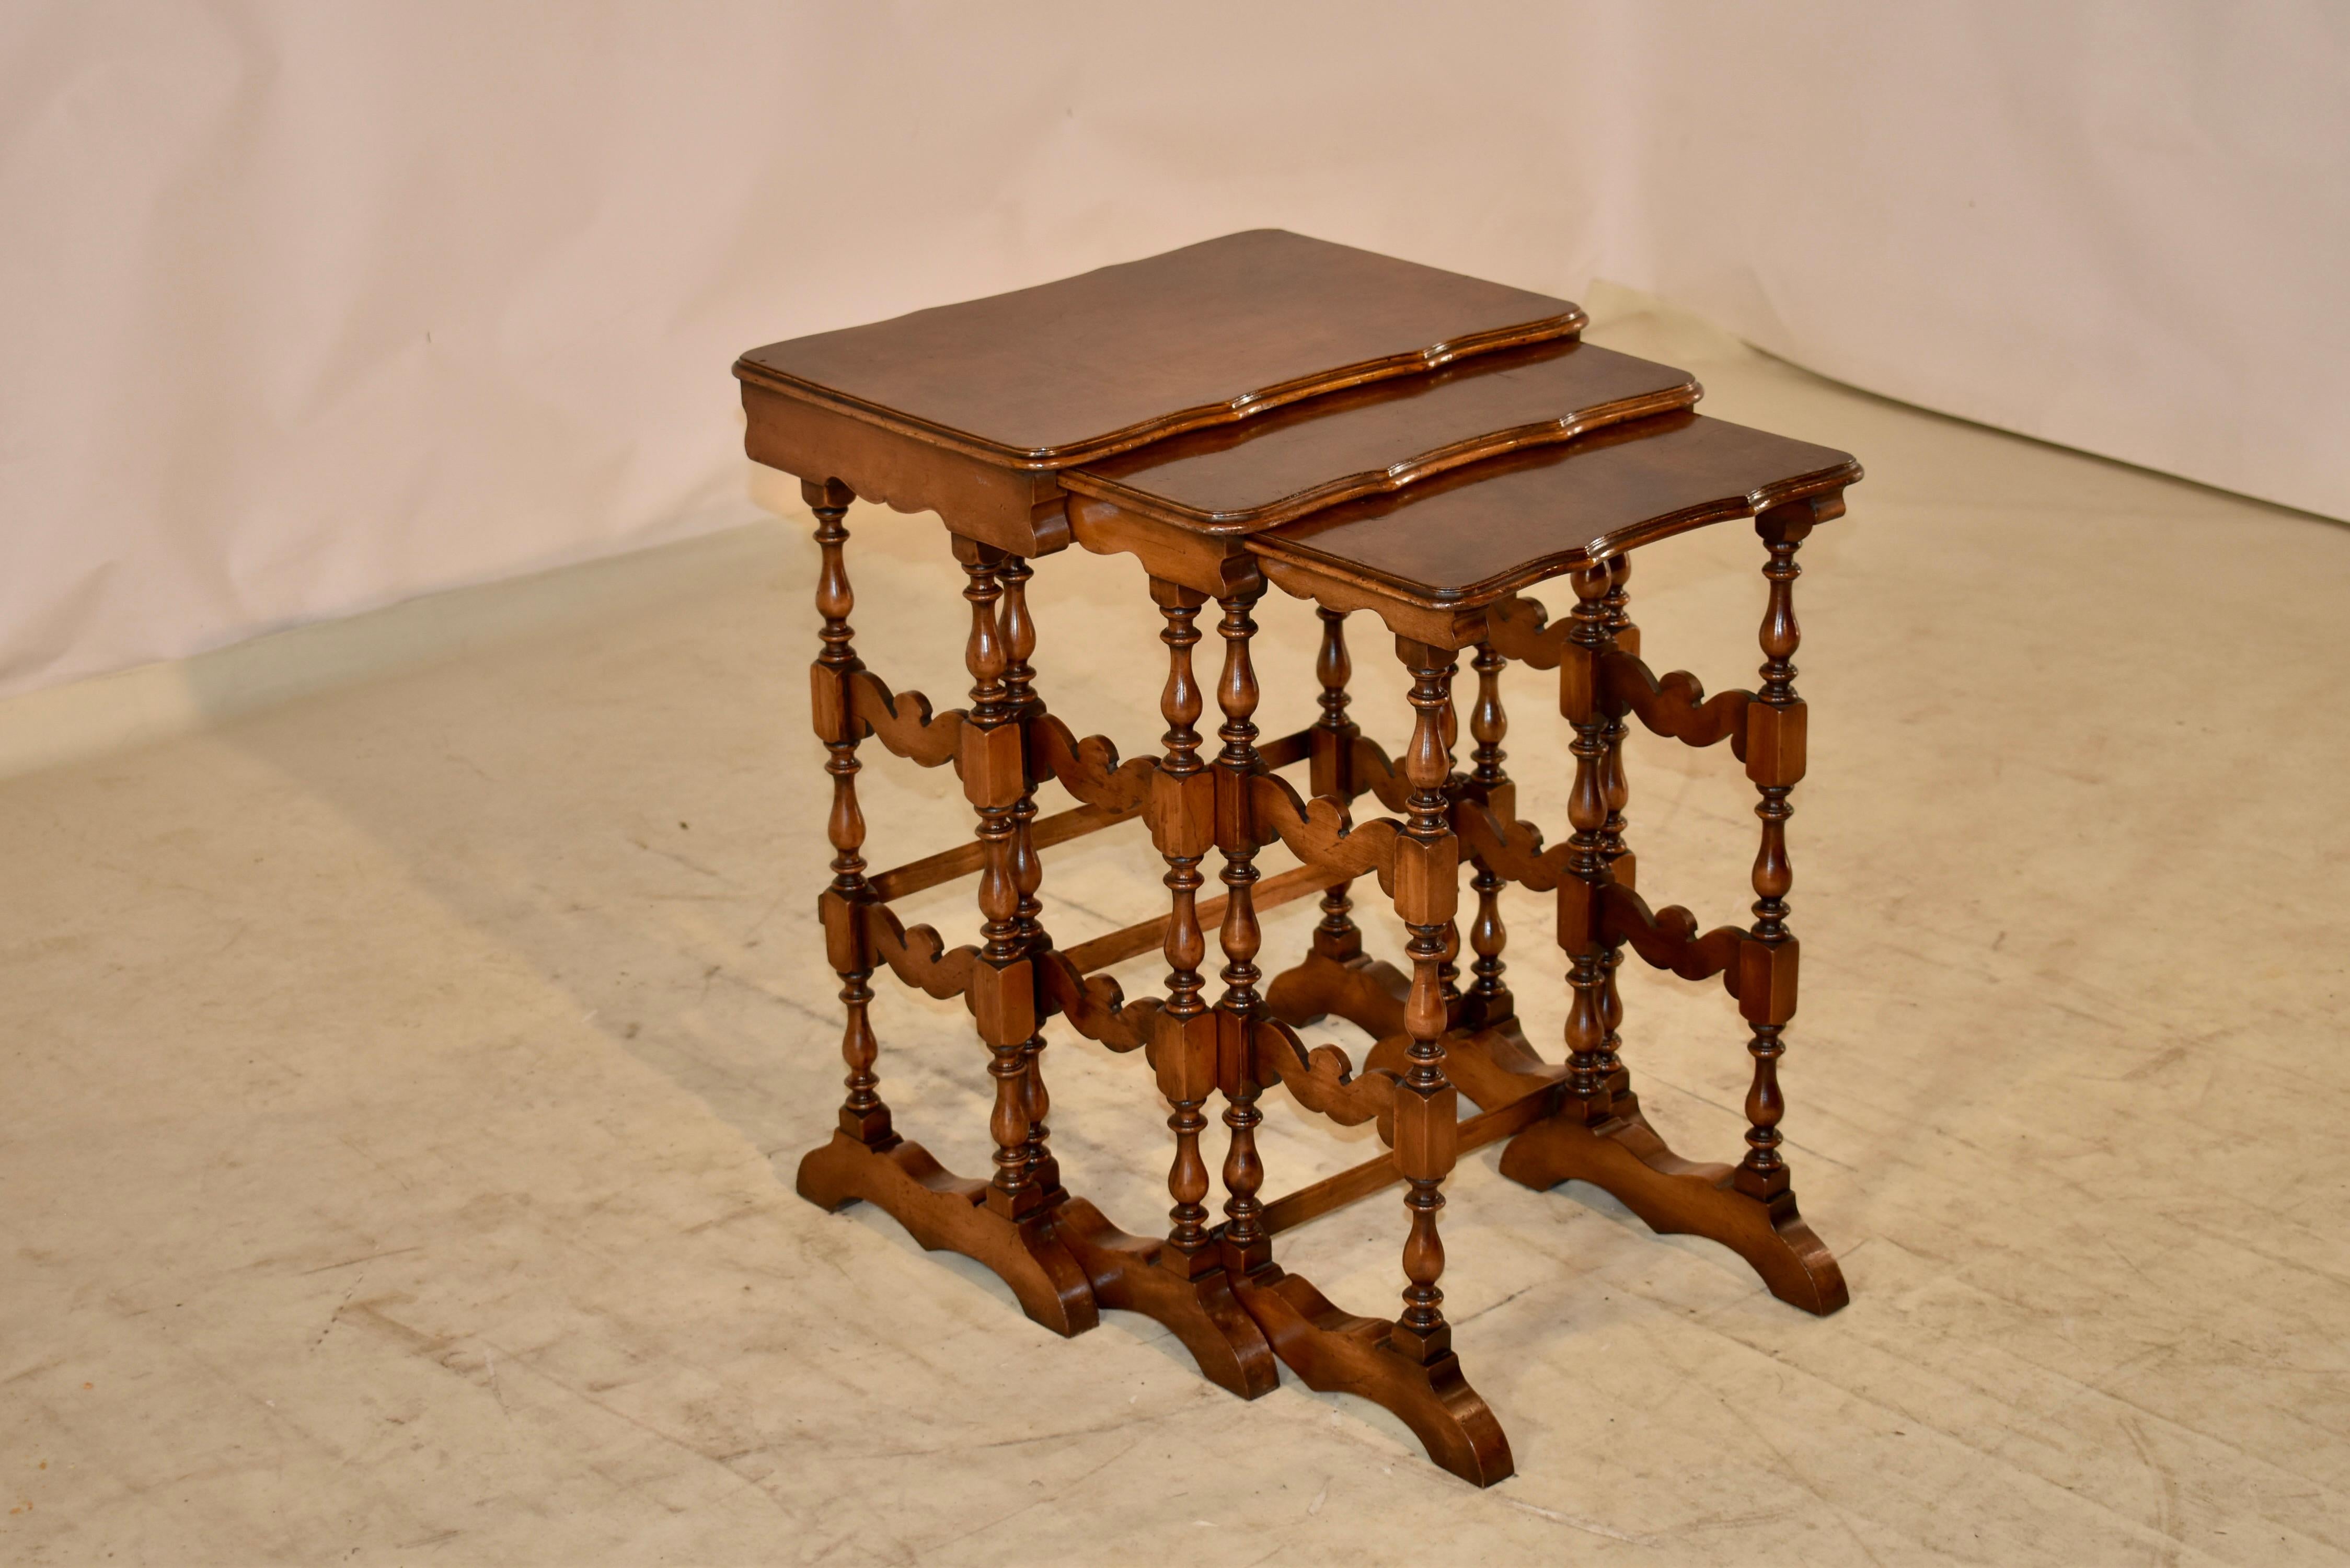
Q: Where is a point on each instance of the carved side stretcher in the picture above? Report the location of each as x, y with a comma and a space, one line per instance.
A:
1396, 498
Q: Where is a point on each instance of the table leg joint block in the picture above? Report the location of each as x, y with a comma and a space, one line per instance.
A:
1772, 743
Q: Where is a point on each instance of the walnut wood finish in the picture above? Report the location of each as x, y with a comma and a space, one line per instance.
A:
1366, 992
1135, 1274
971, 410
1223, 1296
1305, 439
1624, 1156
1091, 770
1372, 439
1379, 1173
1466, 539
1217, 332
1182, 825
1179, 1280
1321, 1079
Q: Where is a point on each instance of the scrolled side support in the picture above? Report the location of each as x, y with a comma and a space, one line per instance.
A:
1095, 1005
1674, 704
903, 720
1321, 1079
1321, 832
1089, 769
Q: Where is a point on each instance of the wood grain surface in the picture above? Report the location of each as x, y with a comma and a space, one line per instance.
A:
1070, 371
1477, 534
1384, 436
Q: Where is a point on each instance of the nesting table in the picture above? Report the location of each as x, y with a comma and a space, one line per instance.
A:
1373, 436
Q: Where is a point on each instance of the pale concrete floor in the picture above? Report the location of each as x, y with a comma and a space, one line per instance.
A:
404, 1086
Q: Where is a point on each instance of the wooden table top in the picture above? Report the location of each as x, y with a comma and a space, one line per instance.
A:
1471, 536
1240, 479
1073, 371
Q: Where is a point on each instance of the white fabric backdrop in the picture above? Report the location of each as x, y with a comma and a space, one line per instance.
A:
313, 306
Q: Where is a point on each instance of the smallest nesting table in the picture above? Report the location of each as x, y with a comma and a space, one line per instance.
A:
1371, 436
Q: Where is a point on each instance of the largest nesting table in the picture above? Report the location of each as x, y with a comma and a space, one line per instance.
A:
1371, 435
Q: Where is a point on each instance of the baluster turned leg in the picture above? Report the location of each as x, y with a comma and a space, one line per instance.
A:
1427, 887
1184, 821
863, 1117
1616, 790
1775, 761
1331, 771
1491, 1060
995, 780
1027, 866
1488, 1000
1246, 1244
1448, 969
1579, 932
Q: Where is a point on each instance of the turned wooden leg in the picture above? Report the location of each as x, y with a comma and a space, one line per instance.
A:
1180, 1281
1489, 1001
1028, 867
1775, 765
1447, 966
863, 1117
1332, 772
1580, 933
1426, 884
995, 779
1615, 789
1182, 821
1246, 1245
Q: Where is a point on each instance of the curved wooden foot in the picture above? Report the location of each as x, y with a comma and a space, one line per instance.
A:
1367, 992
1334, 1352
1127, 1272
1624, 1156
948, 1212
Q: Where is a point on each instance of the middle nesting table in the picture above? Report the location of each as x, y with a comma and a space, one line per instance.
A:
1429, 498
